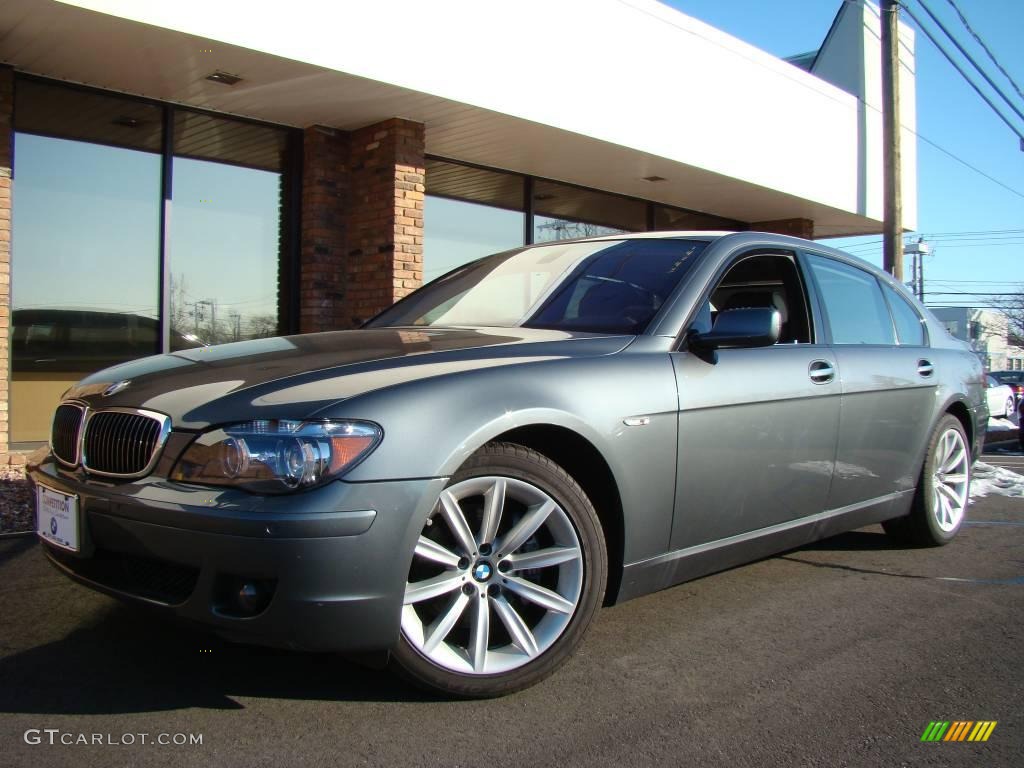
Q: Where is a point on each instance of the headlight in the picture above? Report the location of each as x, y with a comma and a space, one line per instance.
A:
276, 456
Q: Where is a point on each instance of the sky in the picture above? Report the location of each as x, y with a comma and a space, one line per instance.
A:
952, 198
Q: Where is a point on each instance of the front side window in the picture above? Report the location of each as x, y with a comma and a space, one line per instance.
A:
857, 312
763, 280
601, 287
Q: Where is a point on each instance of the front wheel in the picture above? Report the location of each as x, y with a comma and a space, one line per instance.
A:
942, 494
1008, 408
506, 576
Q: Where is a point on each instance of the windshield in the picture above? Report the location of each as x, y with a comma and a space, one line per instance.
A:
605, 287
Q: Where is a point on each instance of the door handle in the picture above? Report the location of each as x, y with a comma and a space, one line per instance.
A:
821, 371
925, 369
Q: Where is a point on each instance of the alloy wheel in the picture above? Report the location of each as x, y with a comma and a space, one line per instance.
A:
951, 480
496, 577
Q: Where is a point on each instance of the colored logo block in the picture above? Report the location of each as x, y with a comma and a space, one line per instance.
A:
958, 730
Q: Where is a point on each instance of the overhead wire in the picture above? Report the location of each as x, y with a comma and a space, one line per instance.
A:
981, 42
963, 74
970, 59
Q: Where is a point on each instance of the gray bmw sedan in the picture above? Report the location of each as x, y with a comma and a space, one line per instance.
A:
461, 483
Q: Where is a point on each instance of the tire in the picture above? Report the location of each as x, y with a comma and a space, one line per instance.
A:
1008, 409
506, 578
943, 490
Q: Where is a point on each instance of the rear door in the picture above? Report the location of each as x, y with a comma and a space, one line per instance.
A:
888, 378
757, 427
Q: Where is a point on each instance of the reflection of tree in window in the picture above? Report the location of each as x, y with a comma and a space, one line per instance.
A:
563, 229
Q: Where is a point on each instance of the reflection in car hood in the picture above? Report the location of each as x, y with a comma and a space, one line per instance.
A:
295, 376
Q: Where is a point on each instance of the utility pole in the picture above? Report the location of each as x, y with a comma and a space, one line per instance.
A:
892, 241
918, 250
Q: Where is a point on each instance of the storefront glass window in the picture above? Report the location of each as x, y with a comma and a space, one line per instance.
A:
86, 249
225, 231
562, 212
668, 219
85, 243
469, 213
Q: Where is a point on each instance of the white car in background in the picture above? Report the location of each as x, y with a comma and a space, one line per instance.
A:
1000, 398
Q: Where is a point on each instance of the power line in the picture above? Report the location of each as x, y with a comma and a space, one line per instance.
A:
977, 37
972, 232
970, 59
967, 293
954, 245
963, 74
966, 282
963, 162
945, 237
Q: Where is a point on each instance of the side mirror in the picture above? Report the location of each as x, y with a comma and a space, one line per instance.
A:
741, 328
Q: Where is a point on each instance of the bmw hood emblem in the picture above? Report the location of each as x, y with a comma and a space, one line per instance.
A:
116, 387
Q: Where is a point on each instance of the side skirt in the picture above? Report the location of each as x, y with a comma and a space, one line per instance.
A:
682, 565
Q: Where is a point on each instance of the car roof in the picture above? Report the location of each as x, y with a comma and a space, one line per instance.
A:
747, 237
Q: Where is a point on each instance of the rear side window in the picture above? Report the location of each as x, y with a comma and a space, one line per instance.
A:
857, 312
909, 325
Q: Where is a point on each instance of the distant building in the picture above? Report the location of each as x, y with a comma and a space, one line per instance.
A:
987, 332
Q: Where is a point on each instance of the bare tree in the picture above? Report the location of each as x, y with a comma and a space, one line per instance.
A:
1012, 307
262, 326
563, 229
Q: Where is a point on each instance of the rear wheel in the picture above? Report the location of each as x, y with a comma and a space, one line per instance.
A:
942, 493
506, 577
1008, 408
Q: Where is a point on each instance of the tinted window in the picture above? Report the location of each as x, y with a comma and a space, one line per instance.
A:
620, 289
469, 213
605, 287
562, 212
909, 325
764, 280
853, 301
225, 230
86, 244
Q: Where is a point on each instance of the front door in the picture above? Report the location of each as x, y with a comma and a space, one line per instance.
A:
757, 427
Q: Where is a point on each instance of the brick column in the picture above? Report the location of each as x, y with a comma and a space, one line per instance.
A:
6, 164
385, 216
795, 227
324, 204
362, 222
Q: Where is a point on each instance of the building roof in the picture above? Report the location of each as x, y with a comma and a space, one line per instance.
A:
599, 93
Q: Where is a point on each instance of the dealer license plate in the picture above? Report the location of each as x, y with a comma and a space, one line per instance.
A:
57, 518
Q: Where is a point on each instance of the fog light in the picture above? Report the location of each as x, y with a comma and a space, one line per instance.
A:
250, 598
240, 597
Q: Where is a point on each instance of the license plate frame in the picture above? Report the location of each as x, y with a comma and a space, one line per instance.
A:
58, 520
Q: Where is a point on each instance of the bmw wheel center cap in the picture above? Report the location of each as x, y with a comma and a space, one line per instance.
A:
482, 571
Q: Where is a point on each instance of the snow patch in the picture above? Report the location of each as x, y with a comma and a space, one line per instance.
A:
1001, 425
1002, 482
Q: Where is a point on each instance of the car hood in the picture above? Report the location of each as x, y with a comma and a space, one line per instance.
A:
296, 376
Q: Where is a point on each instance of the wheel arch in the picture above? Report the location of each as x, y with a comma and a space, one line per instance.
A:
959, 409
588, 467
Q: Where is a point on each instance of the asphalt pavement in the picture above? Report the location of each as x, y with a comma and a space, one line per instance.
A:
836, 654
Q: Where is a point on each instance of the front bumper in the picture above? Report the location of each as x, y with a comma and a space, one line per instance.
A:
333, 561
